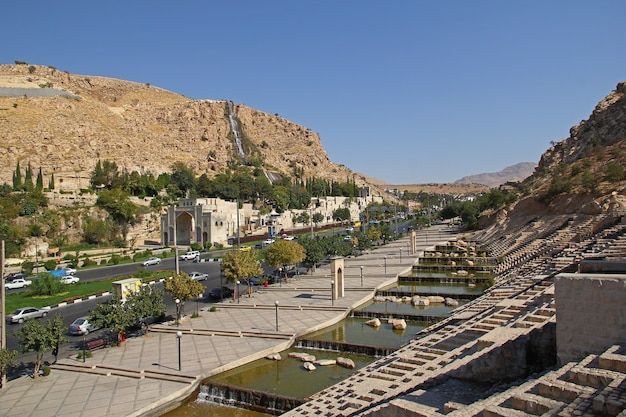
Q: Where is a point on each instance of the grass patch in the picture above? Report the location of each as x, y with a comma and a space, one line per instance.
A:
72, 292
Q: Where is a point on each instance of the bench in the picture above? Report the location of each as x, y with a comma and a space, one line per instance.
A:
96, 344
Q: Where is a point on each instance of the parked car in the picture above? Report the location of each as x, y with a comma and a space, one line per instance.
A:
268, 241
15, 275
220, 293
188, 256
198, 276
151, 261
245, 248
17, 283
142, 322
286, 237
26, 313
81, 326
70, 279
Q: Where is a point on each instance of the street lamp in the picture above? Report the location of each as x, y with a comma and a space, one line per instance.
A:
179, 335
177, 301
84, 347
400, 255
237, 291
276, 304
361, 275
385, 264
332, 292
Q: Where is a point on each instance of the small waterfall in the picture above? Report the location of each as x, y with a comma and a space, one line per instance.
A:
249, 399
376, 351
235, 128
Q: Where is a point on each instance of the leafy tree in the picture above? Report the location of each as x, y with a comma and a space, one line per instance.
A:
614, 172
341, 214
238, 264
57, 329
589, 181
7, 358
373, 233
96, 231
120, 208
183, 177
46, 284
146, 302
183, 288
284, 252
318, 218
314, 250
114, 315
34, 336
105, 175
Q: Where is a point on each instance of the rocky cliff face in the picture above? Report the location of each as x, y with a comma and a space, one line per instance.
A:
63, 123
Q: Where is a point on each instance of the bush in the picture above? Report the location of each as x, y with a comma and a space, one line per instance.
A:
89, 262
45, 370
115, 259
50, 264
87, 354
196, 246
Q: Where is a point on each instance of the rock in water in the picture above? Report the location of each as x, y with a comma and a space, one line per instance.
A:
373, 323
346, 363
274, 357
309, 366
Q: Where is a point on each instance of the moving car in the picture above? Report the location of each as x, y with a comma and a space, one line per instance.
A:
151, 261
81, 326
17, 283
198, 276
26, 313
220, 293
268, 241
70, 271
188, 256
70, 279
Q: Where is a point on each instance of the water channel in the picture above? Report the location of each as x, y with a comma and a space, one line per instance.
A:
267, 378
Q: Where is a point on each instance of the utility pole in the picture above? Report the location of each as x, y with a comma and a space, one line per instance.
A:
3, 335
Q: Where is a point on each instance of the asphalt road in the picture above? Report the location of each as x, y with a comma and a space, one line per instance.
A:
72, 311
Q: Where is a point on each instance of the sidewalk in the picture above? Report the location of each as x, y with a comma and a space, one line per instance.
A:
142, 376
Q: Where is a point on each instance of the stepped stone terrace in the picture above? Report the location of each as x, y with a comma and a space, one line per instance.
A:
505, 353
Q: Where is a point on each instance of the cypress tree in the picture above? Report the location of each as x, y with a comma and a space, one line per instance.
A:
17, 178
40, 180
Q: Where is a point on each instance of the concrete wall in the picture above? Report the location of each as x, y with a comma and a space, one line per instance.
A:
590, 314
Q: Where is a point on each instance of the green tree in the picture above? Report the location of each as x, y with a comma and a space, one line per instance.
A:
34, 336
7, 358
614, 172
57, 329
341, 214
17, 177
105, 175
373, 233
318, 218
589, 181
239, 264
45, 284
147, 302
183, 177
183, 288
314, 251
96, 231
117, 203
39, 185
114, 315
283, 253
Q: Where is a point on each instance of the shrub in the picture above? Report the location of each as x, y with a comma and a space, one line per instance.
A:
87, 354
45, 370
89, 262
115, 259
50, 264
196, 246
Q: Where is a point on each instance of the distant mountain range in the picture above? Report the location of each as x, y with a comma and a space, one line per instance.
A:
517, 172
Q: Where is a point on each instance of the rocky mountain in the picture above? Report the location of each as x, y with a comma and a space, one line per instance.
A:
513, 173
64, 123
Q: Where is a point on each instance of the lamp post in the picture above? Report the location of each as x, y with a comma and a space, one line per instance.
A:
385, 264
237, 291
332, 292
400, 255
276, 305
361, 275
177, 301
179, 335
84, 347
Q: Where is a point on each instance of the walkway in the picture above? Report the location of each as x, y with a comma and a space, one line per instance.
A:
142, 376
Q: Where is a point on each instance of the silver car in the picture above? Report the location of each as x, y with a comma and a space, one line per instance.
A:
198, 276
81, 326
22, 314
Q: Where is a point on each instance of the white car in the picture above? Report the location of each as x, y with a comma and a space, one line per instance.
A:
17, 283
70, 271
268, 241
151, 261
22, 314
198, 276
70, 279
192, 254
81, 326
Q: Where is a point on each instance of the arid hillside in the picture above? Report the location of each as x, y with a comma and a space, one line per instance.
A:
63, 123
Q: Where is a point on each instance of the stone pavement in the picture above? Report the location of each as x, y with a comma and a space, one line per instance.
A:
142, 376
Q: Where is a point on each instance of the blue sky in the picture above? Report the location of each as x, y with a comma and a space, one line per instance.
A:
405, 91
